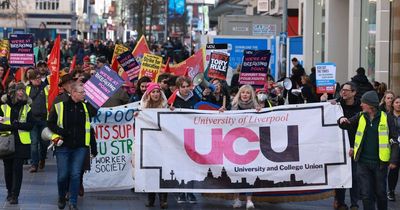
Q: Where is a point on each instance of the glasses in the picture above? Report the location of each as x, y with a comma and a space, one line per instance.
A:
81, 92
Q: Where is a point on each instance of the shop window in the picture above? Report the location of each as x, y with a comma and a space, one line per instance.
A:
368, 36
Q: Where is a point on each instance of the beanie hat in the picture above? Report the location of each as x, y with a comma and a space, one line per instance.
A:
151, 86
370, 98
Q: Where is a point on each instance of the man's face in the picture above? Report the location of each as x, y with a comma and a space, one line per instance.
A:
100, 65
347, 92
367, 108
164, 84
42, 69
78, 94
295, 63
36, 82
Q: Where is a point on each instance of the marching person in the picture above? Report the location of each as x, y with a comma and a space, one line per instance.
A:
244, 99
70, 121
375, 150
16, 120
351, 106
185, 99
155, 98
393, 175
38, 91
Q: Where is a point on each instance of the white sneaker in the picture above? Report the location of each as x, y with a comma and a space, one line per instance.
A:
237, 203
249, 205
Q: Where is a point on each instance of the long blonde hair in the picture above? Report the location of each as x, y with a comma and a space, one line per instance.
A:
147, 103
237, 100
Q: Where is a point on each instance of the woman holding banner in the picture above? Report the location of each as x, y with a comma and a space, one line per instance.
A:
155, 98
244, 99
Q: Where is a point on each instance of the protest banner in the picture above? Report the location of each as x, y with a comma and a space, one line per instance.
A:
193, 65
129, 64
326, 77
4, 48
102, 86
242, 151
254, 67
218, 66
118, 50
21, 50
111, 169
150, 67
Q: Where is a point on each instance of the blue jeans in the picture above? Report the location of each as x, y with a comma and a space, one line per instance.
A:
69, 167
372, 183
38, 145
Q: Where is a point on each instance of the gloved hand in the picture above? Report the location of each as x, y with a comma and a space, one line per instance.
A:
57, 141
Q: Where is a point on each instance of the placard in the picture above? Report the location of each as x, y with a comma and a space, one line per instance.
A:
102, 86
21, 50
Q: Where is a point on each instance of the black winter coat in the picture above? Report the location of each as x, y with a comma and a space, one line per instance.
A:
22, 151
73, 132
363, 84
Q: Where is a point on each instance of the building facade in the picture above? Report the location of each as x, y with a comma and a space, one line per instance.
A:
352, 34
44, 18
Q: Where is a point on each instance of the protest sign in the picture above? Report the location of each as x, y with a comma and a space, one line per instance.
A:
118, 50
211, 48
151, 65
129, 64
111, 169
255, 67
325, 77
21, 50
102, 86
218, 66
4, 48
241, 151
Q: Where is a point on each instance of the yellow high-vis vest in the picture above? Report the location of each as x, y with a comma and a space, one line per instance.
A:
60, 113
24, 136
383, 133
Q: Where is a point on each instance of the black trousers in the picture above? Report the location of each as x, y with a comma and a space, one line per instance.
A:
13, 175
393, 177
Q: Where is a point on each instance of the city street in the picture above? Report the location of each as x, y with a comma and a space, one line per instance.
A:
39, 191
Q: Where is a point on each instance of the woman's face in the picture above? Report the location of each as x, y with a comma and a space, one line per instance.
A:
396, 105
303, 80
143, 87
19, 94
184, 89
245, 95
155, 95
389, 99
217, 85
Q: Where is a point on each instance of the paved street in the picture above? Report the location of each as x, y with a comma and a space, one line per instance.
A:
39, 191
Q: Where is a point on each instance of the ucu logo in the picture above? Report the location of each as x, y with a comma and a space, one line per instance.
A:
222, 146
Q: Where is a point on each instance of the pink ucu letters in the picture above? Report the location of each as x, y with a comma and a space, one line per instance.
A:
223, 146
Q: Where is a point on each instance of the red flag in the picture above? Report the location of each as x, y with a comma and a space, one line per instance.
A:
141, 48
191, 66
19, 74
73, 64
166, 68
5, 78
54, 65
172, 98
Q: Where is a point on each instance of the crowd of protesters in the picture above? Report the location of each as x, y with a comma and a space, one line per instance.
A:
361, 102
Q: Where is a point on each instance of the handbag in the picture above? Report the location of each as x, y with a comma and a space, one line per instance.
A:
7, 145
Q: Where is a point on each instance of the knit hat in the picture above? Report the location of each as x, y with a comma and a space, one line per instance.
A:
151, 86
370, 98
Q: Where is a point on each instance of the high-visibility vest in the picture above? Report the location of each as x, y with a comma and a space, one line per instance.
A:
383, 134
46, 93
60, 113
24, 136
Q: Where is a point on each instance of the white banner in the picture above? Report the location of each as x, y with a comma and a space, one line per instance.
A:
112, 168
294, 147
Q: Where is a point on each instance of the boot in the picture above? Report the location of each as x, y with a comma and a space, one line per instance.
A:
14, 200
81, 190
163, 200
151, 197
